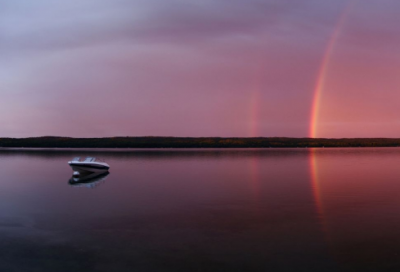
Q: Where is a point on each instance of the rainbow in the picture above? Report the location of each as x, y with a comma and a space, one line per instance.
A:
323, 71
316, 181
254, 114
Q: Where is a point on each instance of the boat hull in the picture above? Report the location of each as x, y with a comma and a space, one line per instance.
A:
89, 167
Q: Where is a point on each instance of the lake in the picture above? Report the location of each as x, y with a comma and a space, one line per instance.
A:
202, 210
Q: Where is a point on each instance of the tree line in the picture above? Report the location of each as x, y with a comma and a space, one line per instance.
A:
190, 142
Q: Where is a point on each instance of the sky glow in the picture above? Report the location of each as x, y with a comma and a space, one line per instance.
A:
100, 68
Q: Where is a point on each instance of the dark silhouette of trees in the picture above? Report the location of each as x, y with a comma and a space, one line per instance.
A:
186, 142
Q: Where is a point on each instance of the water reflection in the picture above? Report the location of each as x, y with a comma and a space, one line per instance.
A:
357, 198
203, 210
87, 179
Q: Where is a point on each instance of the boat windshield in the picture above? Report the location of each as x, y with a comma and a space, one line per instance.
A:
89, 159
76, 159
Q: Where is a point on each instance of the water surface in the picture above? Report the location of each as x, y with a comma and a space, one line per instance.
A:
202, 210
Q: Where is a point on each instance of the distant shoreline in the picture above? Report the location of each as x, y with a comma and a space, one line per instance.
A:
191, 142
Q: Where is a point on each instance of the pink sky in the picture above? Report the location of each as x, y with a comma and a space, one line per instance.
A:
237, 68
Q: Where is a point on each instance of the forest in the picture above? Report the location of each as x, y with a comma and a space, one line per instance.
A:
189, 142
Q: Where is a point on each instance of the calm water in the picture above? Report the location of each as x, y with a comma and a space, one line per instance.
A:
202, 210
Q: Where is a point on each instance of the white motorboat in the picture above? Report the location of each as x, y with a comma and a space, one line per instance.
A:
90, 164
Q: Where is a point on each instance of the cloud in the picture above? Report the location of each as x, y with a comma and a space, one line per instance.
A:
46, 25
174, 67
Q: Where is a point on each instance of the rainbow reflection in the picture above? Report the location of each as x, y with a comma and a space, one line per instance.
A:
255, 177
316, 183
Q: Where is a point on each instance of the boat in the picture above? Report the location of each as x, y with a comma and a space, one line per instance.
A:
88, 165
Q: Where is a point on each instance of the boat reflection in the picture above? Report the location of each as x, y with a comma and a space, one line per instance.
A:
88, 180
